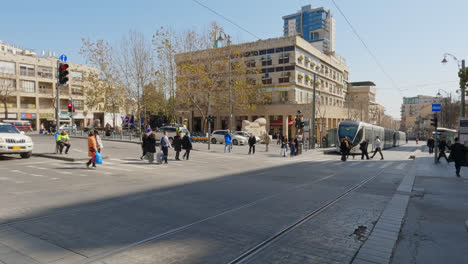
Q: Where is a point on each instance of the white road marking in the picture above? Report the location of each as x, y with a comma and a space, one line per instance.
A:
401, 166
370, 164
19, 182
386, 165
63, 172
4, 178
37, 175
53, 179
352, 164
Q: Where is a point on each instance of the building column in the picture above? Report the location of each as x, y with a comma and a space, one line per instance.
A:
285, 125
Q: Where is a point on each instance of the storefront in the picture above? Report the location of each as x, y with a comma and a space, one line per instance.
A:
31, 117
47, 119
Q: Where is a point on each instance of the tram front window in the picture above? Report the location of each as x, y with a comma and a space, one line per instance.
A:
347, 131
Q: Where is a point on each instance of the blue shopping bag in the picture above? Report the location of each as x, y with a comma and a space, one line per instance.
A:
98, 158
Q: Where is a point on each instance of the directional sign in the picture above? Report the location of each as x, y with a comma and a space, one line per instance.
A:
436, 107
63, 57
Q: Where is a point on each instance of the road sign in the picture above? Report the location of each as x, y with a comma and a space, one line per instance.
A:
436, 107
63, 57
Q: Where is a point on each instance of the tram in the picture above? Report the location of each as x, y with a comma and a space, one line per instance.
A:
357, 132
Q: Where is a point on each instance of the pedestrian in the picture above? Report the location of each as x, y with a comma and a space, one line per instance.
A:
252, 142
144, 137
41, 129
284, 147
64, 141
292, 147
296, 146
177, 141
348, 147
148, 129
92, 149
363, 147
279, 140
442, 147
187, 145
267, 141
165, 145
458, 153
430, 145
99, 144
150, 147
227, 142
378, 148
343, 149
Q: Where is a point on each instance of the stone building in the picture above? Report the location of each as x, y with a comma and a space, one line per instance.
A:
412, 114
28, 82
287, 66
361, 104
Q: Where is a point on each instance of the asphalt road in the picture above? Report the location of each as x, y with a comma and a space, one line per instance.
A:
210, 209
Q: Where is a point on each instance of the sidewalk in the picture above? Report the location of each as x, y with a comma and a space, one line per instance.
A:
435, 228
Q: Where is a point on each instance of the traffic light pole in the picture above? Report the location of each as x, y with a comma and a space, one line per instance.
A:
57, 102
463, 88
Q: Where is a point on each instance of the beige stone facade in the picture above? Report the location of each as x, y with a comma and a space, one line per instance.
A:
32, 81
361, 104
414, 111
288, 66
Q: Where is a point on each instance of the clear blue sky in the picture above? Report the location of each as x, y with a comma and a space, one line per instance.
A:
407, 37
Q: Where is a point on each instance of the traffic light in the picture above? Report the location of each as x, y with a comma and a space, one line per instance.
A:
210, 119
70, 107
63, 73
302, 124
73, 108
434, 121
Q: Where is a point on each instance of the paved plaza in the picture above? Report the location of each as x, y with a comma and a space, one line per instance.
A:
213, 208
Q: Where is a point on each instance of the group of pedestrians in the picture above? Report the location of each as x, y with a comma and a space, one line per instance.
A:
178, 143
289, 147
346, 146
457, 152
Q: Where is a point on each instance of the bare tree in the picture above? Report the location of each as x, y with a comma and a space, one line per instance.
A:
7, 88
136, 65
105, 87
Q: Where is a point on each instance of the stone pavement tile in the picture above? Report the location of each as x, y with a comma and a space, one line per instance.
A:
73, 258
376, 247
374, 259
15, 257
386, 236
380, 254
4, 249
361, 261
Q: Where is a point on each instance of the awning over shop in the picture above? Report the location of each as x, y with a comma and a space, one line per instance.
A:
279, 122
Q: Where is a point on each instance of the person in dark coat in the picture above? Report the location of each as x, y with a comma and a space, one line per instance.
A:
343, 149
150, 147
252, 142
177, 142
296, 143
430, 145
442, 147
187, 145
363, 147
144, 137
458, 153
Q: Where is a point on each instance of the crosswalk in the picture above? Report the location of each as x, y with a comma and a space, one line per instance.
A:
131, 166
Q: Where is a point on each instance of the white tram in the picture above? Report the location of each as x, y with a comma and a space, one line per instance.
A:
358, 132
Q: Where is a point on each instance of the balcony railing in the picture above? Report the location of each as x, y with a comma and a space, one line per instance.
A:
46, 90
64, 92
77, 92
28, 106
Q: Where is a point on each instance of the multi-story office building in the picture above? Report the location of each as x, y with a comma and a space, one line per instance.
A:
287, 69
28, 87
315, 25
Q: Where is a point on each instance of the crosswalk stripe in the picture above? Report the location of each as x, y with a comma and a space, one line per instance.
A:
370, 164
352, 164
386, 165
401, 166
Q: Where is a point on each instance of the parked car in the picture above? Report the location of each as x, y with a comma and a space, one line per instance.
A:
218, 137
12, 141
21, 125
247, 135
171, 132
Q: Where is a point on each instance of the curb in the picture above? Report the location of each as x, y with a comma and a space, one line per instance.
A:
56, 157
111, 140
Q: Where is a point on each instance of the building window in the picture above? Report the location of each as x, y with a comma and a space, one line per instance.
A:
28, 86
76, 76
44, 72
266, 60
7, 85
27, 70
266, 78
284, 58
284, 96
267, 97
314, 35
284, 77
78, 90
7, 67
78, 104
250, 63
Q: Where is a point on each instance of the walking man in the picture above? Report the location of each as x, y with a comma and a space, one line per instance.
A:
343, 149
279, 140
430, 145
364, 145
458, 153
177, 145
378, 148
252, 142
64, 141
150, 147
284, 147
227, 142
144, 138
100, 146
92, 149
442, 147
267, 141
165, 145
187, 145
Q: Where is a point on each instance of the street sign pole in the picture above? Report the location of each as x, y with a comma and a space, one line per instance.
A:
57, 102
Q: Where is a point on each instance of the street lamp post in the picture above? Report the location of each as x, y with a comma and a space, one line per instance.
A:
462, 72
224, 36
